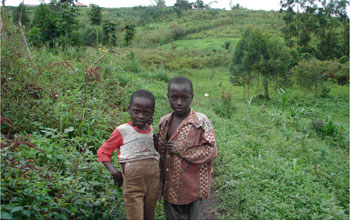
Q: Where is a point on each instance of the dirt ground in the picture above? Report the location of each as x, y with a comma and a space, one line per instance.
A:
209, 207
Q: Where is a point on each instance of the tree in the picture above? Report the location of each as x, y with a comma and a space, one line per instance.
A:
308, 74
45, 20
95, 14
57, 24
130, 32
199, 4
279, 62
182, 5
108, 31
289, 31
247, 56
21, 10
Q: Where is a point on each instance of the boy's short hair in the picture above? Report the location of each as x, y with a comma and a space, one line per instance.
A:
180, 80
142, 94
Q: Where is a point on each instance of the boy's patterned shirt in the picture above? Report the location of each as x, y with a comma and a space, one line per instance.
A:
186, 171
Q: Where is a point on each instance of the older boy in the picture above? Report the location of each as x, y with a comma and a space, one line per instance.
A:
138, 158
187, 147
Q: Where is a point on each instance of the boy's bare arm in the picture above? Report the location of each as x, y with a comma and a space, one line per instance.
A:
116, 174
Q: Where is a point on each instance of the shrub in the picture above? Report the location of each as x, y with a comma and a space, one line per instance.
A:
225, 107
177, 32
325, 127
92, 37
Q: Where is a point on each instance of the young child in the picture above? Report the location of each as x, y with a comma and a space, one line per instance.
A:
187, 146
137, 156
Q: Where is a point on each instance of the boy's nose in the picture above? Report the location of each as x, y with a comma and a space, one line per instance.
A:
179, 102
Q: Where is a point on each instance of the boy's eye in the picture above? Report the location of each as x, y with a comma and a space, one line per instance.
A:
136, 111
184, 98
147, 113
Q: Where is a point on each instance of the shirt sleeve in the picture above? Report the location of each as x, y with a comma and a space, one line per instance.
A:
203, 152
104, 153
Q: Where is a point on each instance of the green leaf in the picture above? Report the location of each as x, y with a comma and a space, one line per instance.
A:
26, 212
5, 215
16, 209
70, 129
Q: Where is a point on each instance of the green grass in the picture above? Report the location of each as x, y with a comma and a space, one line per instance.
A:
200, 44
275, 161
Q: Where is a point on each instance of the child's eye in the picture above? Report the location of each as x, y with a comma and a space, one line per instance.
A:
136, 111
147, 113
184, 98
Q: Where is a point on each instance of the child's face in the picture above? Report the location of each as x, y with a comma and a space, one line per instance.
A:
180, 97
141, 112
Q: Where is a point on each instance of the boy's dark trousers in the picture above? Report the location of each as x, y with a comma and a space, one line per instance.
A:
140, 188
191, 211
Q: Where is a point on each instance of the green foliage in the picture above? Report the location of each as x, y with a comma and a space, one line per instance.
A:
227, 45
181, 5
328, 22
287, 160
109, 33
95, 14
225, 107
21, 10
130, 32
132, 64
177, 32
326, 127
45, 20
58, 25
307, 74
93, 37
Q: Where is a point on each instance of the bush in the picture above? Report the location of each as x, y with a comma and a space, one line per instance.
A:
325, 127
92, 37
177, 32
225, 107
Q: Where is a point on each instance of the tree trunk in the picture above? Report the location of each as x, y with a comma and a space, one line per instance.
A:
266, 87
316, 88
275, 89
249, 85
243, 81
258, 86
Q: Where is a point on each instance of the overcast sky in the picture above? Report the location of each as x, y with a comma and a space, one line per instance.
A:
250, 4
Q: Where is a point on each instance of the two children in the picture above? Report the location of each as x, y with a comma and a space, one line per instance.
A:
186, 145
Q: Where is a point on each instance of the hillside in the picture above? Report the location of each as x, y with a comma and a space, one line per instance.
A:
285, 157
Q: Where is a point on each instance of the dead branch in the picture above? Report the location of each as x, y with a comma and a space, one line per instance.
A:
98, 60
22, 32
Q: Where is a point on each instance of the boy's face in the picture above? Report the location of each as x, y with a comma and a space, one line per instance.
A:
180, 97
141, 112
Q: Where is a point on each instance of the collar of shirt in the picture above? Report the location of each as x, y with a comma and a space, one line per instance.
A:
148, 130
191, 118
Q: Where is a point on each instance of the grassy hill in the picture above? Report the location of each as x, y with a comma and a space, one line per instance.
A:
283, 160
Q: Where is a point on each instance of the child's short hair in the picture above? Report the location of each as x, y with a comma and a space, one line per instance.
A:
142, 94
180, 80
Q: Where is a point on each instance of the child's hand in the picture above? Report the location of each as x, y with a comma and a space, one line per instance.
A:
155, 141
118, 178
169, 146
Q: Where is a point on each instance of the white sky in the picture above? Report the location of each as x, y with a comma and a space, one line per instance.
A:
250, 4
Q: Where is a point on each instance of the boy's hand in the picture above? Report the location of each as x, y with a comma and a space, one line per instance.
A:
169, 146
118, 178
155, 141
